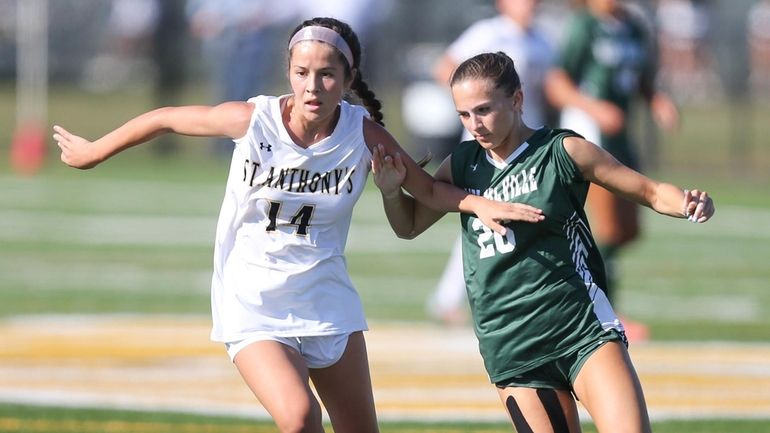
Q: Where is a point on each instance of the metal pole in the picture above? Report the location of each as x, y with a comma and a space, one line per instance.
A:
28, 146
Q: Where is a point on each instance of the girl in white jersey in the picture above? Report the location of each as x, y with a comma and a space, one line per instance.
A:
282, 301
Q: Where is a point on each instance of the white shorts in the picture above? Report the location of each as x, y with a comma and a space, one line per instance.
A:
319, 351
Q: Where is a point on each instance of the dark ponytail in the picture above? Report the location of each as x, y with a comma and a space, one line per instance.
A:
368, 98
359, 87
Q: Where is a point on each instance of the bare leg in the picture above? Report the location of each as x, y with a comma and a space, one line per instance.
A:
609, 388
278, 377
346, 389
542, 410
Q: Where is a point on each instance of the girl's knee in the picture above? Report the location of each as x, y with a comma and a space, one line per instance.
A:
295, 417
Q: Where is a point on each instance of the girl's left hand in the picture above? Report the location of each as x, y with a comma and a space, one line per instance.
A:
698, 206
389, 171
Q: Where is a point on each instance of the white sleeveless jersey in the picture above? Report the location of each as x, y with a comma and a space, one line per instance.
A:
279, 267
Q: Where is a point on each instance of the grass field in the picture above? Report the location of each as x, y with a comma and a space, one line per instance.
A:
25, 419
135, 236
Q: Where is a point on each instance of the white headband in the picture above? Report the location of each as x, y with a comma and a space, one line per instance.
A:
323, 34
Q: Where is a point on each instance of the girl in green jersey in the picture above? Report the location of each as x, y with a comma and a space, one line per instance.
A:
546, 332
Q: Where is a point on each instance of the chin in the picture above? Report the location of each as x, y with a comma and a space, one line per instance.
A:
319, 116
486, 145
314, 114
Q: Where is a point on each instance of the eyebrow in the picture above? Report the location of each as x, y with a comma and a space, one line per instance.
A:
325, 68
476, 107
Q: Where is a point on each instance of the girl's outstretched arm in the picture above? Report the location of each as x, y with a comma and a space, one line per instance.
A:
230, 119
598, 166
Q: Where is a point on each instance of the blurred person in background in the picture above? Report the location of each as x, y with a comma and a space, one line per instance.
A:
241, 44
282, 300
758, 35
685, 58
169, 54
607, 60
431, 120
547, 334
515, 32
125, 54
426, 106
146, 38
364, 16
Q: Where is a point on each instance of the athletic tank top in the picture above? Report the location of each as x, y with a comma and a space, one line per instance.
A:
534, 293
279, 267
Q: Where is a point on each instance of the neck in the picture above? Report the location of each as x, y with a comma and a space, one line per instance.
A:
515, 139
306, 132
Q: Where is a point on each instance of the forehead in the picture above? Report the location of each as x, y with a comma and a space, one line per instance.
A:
472, 92
314, 53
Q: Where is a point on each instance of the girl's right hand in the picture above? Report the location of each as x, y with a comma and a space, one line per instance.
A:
76, 151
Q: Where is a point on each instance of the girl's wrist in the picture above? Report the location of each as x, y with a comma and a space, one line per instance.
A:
392, 195
472, 203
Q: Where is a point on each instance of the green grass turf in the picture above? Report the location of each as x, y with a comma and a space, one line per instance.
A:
42, 419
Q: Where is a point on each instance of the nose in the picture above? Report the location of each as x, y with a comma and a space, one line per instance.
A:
313, 84
475, 122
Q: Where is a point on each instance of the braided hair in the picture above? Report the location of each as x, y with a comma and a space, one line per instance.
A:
359, 86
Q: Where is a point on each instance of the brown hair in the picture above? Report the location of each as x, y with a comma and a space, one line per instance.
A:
496, 67
361, 89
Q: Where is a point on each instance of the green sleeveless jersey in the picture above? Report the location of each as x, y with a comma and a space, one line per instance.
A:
608, 60
534, 293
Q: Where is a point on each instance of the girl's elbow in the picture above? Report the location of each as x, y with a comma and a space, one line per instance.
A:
403, 232
407, 235
415, 231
